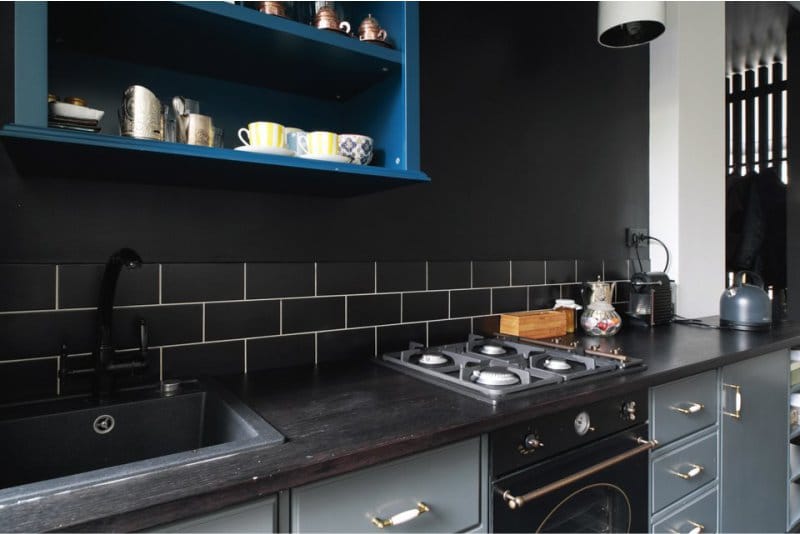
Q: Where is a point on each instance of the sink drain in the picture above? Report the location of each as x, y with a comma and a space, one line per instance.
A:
103, 424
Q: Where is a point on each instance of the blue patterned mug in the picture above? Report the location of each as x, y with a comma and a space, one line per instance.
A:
356, 147
297, 141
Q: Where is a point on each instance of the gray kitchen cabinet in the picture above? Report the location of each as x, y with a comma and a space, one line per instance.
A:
442, 490
684, 468
753, 456
258, 516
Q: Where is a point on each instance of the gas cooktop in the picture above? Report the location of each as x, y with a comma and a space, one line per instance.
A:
493, 369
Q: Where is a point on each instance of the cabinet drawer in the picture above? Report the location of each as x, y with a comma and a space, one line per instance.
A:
447, 480
682, 407
683, 470
699, 515
259, 516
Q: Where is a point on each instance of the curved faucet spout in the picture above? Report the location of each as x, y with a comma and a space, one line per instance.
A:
104, 350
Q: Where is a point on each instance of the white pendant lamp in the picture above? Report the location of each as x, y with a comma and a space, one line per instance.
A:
626, 24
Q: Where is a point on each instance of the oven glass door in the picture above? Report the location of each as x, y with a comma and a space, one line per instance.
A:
610, 499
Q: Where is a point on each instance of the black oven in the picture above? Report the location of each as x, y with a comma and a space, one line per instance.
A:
580, 470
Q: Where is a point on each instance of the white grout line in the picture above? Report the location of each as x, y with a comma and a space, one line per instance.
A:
427, 268
345, 311
491, 300
57, 283
280, 317
244, 268
204, 321
161, 364
575, 269
316, 344
34, 359
315, 279
375, 277
545, 271
471, 274
160, 287
510, 274
427, 333
402, 299
245, 356
376, 342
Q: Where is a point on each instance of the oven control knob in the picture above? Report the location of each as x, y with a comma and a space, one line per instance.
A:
628, 411
532, 443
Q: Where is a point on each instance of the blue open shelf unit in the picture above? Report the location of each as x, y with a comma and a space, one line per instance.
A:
242, 66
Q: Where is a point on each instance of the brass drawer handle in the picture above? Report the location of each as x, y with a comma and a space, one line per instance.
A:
697, 528
693, 471
737, 413
402, 517
689, 409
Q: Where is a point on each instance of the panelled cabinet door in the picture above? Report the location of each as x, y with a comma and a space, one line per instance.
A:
253, 517
754, 416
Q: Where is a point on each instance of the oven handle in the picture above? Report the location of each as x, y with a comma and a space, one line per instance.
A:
517, 502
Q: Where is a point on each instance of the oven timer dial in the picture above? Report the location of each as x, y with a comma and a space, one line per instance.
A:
583, 424
529, 444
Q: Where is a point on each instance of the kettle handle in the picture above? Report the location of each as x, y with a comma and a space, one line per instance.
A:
754, 279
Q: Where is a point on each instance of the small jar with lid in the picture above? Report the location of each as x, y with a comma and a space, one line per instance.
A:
570, 310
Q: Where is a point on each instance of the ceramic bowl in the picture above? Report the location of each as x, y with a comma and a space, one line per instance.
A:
356, 147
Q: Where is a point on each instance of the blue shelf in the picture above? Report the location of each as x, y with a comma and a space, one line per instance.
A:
230, 42
51, 152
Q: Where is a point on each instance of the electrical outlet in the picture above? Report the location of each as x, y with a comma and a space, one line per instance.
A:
631, 237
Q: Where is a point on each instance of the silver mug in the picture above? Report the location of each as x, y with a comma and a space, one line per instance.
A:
141, 115
195, 129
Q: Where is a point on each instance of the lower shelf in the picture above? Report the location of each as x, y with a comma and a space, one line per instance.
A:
46, 152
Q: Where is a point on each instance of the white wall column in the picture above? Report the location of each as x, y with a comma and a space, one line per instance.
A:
687, 152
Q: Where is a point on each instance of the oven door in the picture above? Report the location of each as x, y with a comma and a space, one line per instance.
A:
599, 487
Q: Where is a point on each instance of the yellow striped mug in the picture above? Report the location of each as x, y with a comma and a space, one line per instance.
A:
323, 144
265, 134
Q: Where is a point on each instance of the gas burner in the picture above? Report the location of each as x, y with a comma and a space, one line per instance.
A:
556, 364
433, 358
491, 349
490, 377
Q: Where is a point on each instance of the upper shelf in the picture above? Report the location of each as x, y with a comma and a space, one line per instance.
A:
225, 41
51, 152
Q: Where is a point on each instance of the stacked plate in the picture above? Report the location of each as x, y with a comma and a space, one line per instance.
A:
74, 117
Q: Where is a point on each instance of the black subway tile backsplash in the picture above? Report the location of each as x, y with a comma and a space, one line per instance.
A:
26, 335
425, 306
615, 269
527, 273
79, 285
77, 383
205, 359
35, 379
490, 273
401, 276
308, 315
397, 337
200, 282
560, 271
369, 310
272, 280
219, 319
280, 351
541, 297
509, 299
230, 320
572, 291
27, 287
449, 274
345, 345
451, 331
166, 325
470, 302
590, 270
345, 278
486, 326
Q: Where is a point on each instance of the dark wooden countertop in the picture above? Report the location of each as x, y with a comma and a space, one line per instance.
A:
340, 419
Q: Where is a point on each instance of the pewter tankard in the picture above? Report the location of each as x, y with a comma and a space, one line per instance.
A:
141, 115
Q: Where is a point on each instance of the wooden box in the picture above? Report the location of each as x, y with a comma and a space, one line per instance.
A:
534, 324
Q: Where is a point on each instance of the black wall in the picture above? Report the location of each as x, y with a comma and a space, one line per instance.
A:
535, 137
536, 140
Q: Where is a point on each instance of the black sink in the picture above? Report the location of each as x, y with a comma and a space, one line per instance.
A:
141, 430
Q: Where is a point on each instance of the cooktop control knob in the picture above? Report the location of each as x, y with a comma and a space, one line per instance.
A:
628, 411
583, 424
530, 443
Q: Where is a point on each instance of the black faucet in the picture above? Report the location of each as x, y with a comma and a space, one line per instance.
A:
104, 365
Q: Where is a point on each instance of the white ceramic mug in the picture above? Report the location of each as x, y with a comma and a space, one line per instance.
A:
264, 134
